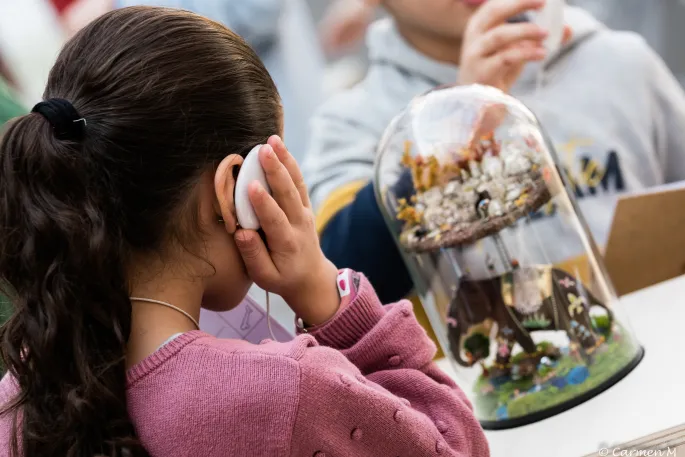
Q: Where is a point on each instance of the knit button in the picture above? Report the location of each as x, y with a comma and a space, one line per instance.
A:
356, 434
266, 341
395, 360
405, 402
406, 312
399, 415
346, 381
361, 379
442, 427
439, 447
319, 454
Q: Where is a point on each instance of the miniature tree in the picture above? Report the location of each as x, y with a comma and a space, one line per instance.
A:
602, 324
478, 344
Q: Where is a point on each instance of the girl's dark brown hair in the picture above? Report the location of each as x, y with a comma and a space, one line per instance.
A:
166, 94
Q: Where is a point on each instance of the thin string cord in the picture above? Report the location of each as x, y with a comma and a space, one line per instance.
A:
539, 80
197, 324
168, 305
268, 316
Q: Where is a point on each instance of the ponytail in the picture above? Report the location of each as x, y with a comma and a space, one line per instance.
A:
62, 260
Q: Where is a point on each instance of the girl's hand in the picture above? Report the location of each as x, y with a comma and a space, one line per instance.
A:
294, 266
494, 51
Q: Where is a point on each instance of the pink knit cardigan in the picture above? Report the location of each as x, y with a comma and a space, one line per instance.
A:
362, 385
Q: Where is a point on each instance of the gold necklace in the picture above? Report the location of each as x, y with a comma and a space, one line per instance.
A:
168, 305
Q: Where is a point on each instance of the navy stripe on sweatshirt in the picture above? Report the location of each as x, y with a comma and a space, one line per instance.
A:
357, 237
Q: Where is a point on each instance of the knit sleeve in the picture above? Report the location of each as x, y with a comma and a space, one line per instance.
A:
371, 389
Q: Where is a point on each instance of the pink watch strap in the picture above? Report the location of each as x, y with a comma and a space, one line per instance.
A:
348, 285
347, 282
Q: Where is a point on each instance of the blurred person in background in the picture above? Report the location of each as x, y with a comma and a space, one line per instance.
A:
342, 30
344, 25
660, 22
282, 32
9, 105
611, 107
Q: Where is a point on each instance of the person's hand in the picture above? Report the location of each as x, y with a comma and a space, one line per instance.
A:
294, 266
345, 24
494, 51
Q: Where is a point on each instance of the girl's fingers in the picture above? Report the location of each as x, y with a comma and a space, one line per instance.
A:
272, 219
256, 257
495, 12
282, 186
291, 165
503, 36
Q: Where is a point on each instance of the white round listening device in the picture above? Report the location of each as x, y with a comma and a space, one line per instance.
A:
250, 171
551, 18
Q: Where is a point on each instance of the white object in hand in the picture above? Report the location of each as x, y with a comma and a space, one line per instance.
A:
551, 18
250, 171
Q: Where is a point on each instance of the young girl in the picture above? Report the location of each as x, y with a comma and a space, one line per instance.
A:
117, 224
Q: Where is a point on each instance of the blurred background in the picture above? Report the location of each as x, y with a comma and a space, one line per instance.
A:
32, 31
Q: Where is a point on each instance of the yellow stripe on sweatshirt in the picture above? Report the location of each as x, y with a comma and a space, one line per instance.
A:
339, 199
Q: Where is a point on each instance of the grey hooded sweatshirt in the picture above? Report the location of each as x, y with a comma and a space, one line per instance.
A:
613, 110
660, 22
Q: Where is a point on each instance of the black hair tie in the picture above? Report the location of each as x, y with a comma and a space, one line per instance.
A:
63, 117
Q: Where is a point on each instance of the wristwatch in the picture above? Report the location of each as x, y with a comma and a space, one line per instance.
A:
345, 282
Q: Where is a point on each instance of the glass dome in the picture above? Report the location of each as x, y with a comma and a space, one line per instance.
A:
502, 261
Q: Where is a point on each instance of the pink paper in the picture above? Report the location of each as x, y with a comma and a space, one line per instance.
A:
248, 321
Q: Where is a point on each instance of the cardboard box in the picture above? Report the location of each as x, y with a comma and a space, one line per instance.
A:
646, 243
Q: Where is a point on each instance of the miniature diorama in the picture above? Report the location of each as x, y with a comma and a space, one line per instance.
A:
466, 179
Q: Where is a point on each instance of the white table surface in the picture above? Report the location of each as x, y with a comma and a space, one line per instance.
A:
649, 399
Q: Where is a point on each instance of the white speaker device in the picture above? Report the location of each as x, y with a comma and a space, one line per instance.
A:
551, 18
250, 171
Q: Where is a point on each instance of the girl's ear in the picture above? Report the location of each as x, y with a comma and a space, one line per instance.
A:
224, 187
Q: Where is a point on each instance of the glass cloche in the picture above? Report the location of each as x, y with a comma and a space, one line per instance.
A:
502, 261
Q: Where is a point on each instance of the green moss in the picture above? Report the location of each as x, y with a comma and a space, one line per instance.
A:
602, 324
542, 347
616, 355
487, 405
478, 344
544, 371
